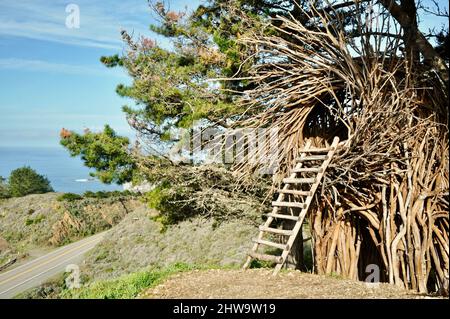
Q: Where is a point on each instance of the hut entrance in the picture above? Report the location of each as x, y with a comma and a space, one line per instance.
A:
322, 126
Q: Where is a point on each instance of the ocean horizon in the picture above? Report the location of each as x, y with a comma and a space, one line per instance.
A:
66, 174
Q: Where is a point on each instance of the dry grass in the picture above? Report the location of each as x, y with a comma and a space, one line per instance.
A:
138, 242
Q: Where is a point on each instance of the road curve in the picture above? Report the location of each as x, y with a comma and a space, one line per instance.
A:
39, 270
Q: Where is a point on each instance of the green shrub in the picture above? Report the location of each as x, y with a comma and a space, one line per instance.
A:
125, 287
153, 198
99, 194
103, 194
89, 194
209, 191
4, 190
31, 221
69, 197
173, 203
261, 264
24, 181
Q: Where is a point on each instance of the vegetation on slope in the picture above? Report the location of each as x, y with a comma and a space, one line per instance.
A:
208, 191
123, 287
137, 242
42, 221
127, 286
24, 181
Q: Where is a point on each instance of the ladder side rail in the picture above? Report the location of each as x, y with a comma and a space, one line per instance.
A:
275, 209
308, 201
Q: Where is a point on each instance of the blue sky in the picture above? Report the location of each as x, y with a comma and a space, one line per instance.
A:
50, 75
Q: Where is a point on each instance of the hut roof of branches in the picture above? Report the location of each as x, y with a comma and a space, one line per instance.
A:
318, 82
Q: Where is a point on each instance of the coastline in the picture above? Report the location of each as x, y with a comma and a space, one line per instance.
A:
66, 174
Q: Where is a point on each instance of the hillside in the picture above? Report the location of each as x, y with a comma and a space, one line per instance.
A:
139, 258
138, 246
138, 242
41, 222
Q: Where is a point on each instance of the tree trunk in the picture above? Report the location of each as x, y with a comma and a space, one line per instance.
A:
414, 38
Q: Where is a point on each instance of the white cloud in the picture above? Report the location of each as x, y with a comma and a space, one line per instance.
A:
100, 22
39, 65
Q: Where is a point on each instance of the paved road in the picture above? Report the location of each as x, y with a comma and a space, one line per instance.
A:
39, 270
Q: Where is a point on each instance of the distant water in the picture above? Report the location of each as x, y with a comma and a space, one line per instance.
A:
66, 174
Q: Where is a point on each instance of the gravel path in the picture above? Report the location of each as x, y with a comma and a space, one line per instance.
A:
258, 283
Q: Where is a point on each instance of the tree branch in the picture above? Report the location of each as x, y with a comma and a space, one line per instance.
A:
422, 44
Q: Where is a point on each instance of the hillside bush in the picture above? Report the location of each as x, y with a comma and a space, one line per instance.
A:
25, 181
104, 194
69, 197
209, 191
4, 191
126, 287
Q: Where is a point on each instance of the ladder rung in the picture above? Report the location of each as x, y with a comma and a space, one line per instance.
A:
269, 243
308, 170
312, 158
318, 150
283, 216
295, 192
264, 257
299, 180
289, 204
276, 231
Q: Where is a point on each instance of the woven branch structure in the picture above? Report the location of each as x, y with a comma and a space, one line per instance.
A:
384, 200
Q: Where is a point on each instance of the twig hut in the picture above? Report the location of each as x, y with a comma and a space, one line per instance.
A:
385, 197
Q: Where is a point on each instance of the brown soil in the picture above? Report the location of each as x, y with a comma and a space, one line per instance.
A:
258, 283
3, 245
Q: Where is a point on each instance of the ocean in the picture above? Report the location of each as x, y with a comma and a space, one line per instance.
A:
66, 173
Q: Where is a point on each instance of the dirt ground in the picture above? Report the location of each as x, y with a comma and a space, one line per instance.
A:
258, 283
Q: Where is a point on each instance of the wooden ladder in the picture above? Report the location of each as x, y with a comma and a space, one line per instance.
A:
307, 172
